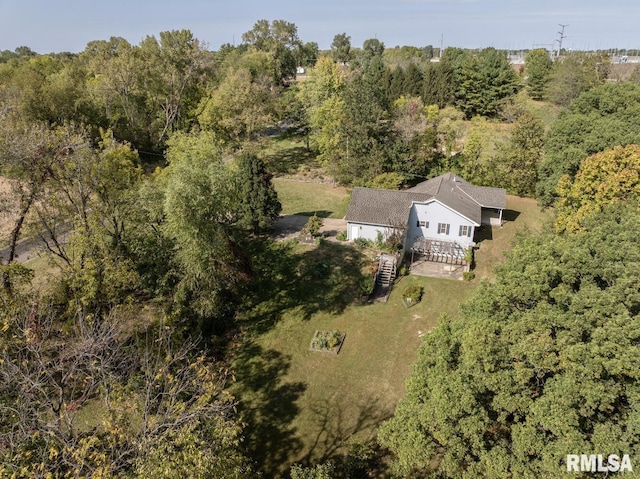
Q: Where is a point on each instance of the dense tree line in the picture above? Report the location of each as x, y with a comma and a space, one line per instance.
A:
106, 372
145, 93
541, 364
602, 118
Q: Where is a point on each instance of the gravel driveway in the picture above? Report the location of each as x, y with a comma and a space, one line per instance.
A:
290, 225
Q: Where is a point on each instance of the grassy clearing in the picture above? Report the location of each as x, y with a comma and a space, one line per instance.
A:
46, 267
300, 198
547, 112
287, 155
523, 216
306, 406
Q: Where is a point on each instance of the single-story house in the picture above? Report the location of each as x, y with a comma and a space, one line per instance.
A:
444, 210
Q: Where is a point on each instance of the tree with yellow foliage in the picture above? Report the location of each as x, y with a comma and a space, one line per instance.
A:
603, 178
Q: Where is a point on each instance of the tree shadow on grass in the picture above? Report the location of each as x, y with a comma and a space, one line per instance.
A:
318, 213
267, 405
289, 160
337, 427
322, 278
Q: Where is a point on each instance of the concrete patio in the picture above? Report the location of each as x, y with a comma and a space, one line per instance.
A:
422, 267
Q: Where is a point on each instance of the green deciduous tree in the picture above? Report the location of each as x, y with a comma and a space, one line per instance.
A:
415, 126
341, 48
201, 208
238, 108
576, 74
539, 365
29, 155
602, 118
115, 88
603, 178
280, 39
518, 162
145, 92
307, 54
366, 131
173, 79
321, 96
449, 129
83, 212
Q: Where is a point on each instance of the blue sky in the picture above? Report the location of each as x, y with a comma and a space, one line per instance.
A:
67, 25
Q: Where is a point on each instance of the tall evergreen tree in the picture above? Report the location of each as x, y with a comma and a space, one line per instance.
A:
538, 66
412, 85
487, 79
396, 84
259, 204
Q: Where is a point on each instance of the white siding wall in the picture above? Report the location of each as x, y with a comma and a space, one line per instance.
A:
435, 213
370, 232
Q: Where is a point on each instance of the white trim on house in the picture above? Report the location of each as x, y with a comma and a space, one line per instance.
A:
418, 211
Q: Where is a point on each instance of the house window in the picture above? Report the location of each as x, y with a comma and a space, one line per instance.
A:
465, 230
443, 228
422, 224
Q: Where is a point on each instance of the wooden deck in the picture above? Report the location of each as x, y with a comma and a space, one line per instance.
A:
438, 251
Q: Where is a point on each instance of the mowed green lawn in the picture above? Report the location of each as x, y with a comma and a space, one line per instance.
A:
523, 216
302, 198
307, 407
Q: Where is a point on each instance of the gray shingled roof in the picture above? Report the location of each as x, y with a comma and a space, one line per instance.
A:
485, 196
382, 207
460, 202
482, 195
391, 208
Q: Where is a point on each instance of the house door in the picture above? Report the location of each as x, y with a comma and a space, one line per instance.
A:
354, 232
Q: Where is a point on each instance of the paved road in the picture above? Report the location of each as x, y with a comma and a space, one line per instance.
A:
285, 227
25, 250
30, 247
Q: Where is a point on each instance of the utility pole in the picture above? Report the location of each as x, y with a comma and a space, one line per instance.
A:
562, 37
441, 44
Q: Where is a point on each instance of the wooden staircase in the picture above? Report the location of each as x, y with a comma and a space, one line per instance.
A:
384, 277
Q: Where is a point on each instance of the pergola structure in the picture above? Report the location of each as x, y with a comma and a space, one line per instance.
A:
438, 250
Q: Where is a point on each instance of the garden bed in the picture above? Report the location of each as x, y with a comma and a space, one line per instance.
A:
412, 295
327, 341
